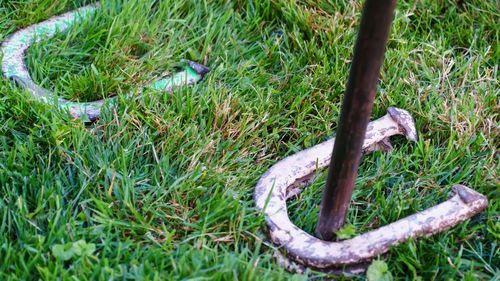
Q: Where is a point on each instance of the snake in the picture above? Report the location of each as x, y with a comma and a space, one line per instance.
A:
14, 65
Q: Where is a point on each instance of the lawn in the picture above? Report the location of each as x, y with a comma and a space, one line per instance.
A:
160, 188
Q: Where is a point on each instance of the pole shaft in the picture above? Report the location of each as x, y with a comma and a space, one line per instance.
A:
355, 115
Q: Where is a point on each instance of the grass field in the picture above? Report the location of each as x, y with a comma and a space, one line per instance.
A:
161, 187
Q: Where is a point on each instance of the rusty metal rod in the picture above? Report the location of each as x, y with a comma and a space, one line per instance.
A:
356, 110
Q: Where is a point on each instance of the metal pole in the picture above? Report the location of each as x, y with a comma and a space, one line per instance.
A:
355, 115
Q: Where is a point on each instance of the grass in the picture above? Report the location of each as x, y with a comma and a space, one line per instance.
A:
162, 186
